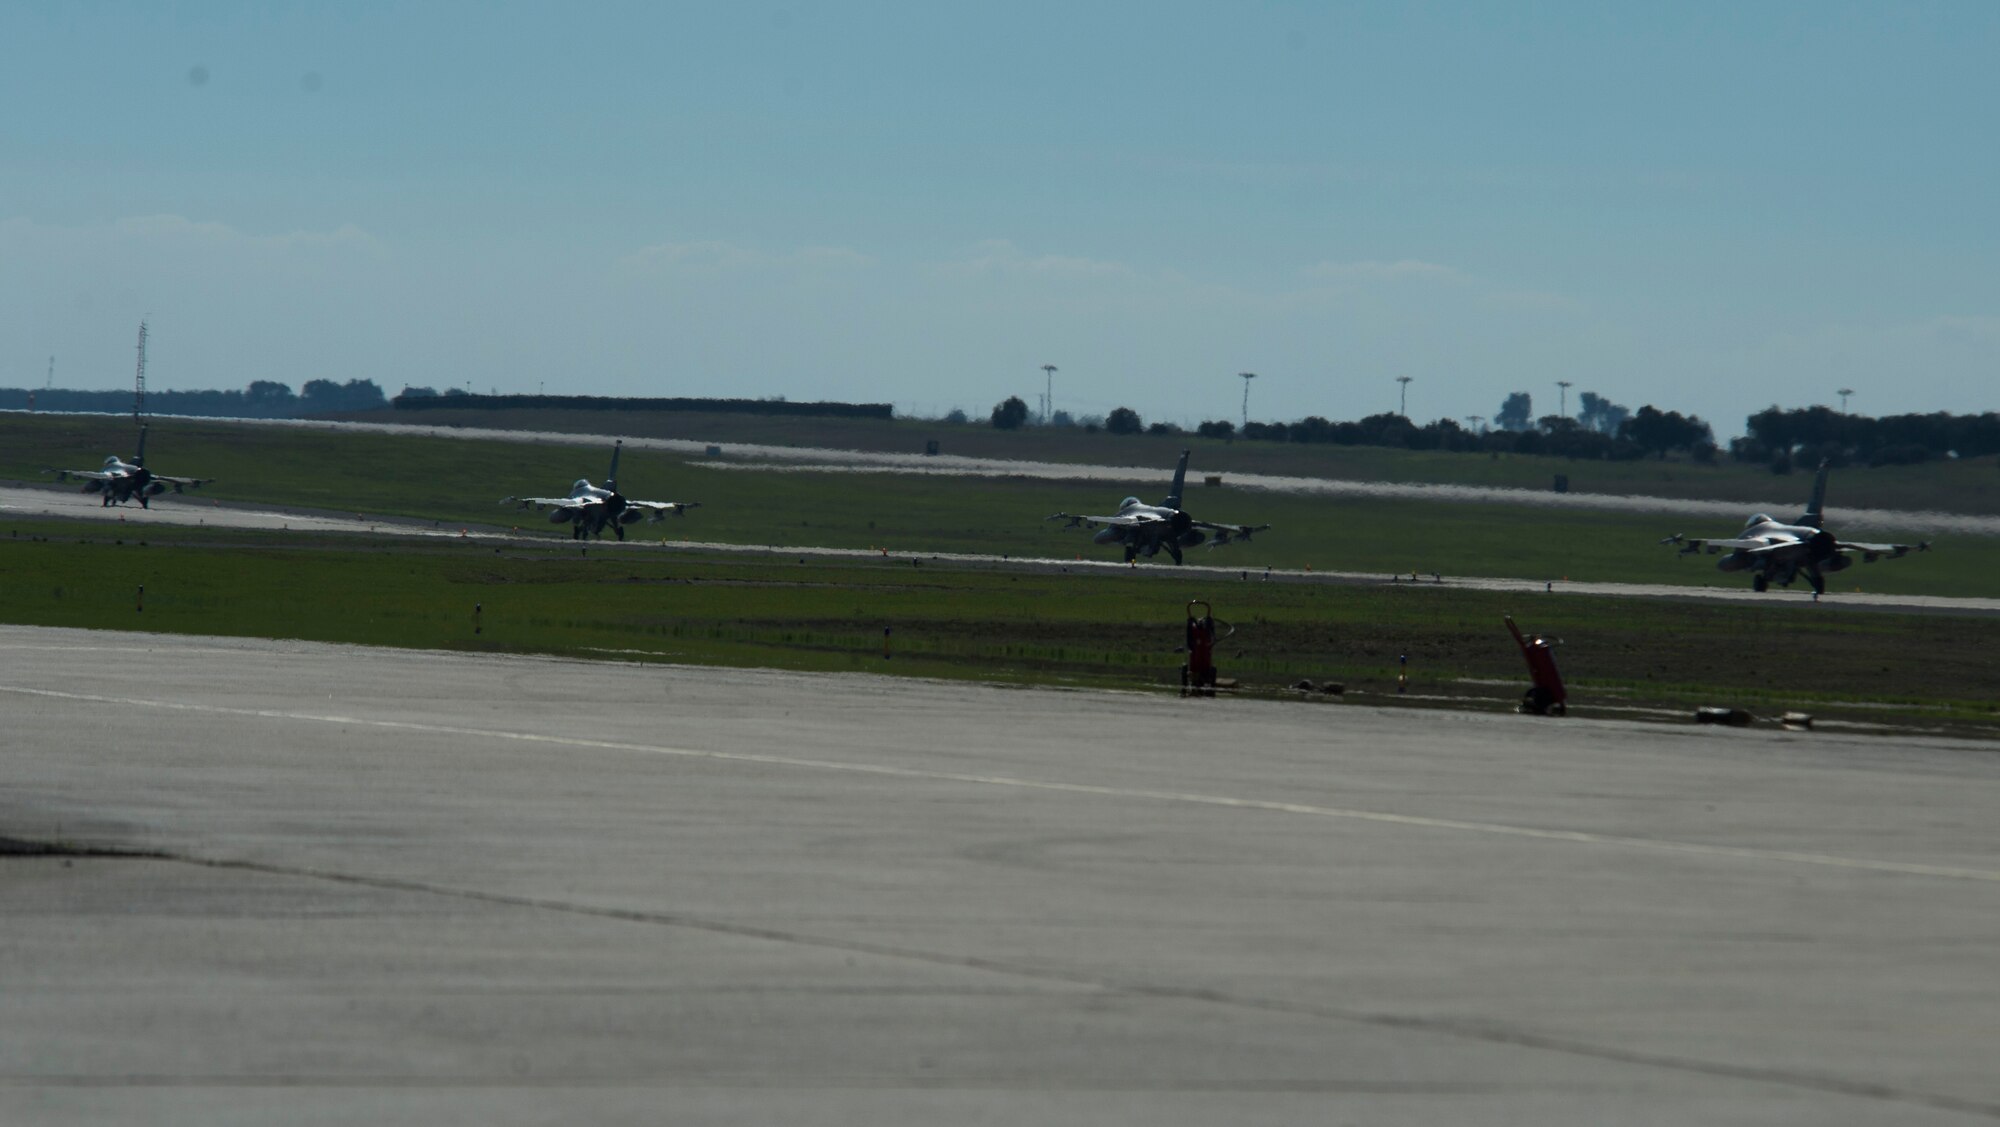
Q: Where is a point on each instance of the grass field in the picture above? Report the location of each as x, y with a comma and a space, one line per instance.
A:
460, 481
1095, 628
1102, 629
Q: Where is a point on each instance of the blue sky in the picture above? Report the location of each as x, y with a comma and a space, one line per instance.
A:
1707, 207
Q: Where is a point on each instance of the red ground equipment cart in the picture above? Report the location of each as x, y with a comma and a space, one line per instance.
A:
1546, 696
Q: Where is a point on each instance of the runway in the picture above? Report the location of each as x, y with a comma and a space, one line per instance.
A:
192, 510
752, 456
316, 883
195, 510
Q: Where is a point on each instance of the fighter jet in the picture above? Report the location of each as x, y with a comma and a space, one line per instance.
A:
120, 481
589, 509
1774, 552
1146, 529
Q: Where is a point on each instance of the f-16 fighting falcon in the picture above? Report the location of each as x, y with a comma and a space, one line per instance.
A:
1145, 529
1773, 552
589, 509
121, 481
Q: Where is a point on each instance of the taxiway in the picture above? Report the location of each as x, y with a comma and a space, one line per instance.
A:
191, 510
309, 883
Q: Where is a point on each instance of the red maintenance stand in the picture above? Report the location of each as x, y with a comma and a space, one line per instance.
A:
1198, 675
1546, 696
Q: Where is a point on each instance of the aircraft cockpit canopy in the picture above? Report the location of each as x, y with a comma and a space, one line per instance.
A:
1128, 502
1757, 519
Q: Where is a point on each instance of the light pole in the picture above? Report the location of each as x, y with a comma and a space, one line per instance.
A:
1247, 377
1473, 421
1048, 392
1403, 396
1563, 409
1844, 393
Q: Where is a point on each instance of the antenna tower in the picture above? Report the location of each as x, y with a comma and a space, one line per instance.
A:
139, 385
52, 374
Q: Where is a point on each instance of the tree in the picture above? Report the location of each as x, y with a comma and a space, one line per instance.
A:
1515, 412
1216, 428
955, 415
1601, 414
363, 395
319, 396
1123, 420
1657, 431
1010, 413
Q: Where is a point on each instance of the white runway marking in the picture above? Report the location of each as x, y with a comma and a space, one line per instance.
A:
1574, 837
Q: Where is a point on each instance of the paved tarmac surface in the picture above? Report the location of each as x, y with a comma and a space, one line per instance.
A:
190, 509
408, 887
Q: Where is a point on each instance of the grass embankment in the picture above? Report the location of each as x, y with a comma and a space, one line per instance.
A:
460, 481
1115, 629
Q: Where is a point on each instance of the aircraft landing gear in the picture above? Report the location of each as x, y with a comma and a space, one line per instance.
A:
1760, 583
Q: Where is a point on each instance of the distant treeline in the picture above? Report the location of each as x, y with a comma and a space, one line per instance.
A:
1809, 434
1647, 432
1603, 430
423, 398
1803, 436
263, 399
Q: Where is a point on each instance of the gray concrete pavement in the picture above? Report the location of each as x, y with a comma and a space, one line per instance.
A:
410, 887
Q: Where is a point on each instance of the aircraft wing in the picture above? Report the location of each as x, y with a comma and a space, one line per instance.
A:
1869, 553
658, 510
1229, 533
545, 502
1755, 545
1122, 521
180, 483
88, 475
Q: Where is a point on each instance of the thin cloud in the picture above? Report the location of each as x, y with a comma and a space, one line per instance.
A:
998, 256
184, 231
1532, 301
1407, 269
715, 255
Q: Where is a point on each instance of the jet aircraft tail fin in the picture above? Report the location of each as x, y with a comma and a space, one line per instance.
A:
1815, 514
1173, 500
611, 479
139, 459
